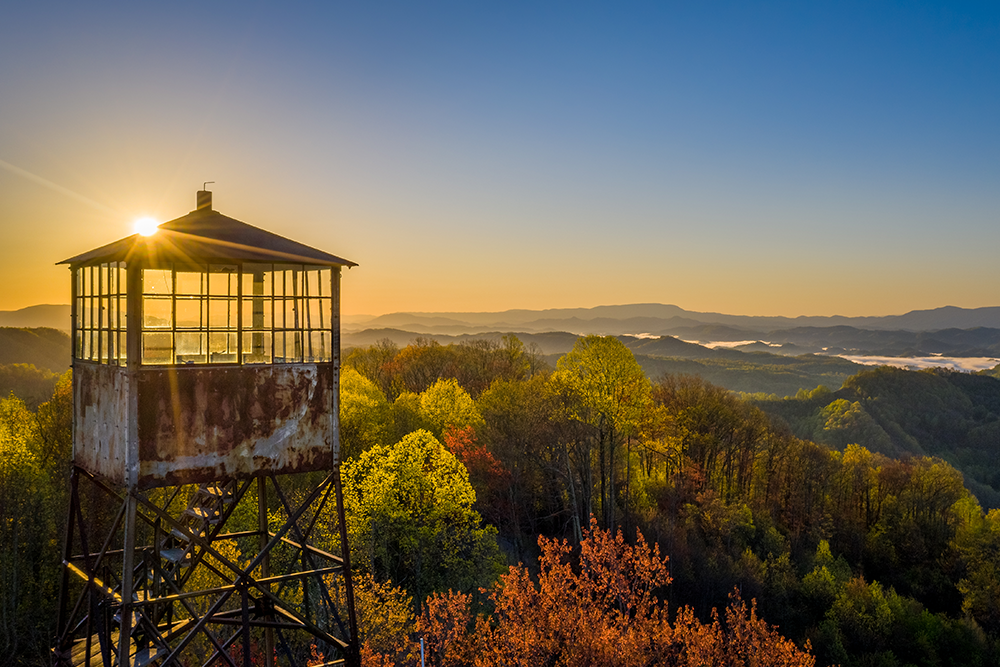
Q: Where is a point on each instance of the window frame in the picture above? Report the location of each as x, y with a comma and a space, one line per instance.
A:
281, 328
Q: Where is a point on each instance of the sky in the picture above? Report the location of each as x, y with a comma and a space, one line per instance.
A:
756, 158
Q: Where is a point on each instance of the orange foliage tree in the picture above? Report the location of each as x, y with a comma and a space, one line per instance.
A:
602, 609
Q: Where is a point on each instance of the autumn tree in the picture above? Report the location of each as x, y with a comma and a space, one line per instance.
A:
603, 609
487, 475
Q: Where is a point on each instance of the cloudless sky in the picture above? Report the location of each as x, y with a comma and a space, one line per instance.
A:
799, 158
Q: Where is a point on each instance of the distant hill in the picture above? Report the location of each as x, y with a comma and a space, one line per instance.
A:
662, 319
51, 316
955, 342
42, 347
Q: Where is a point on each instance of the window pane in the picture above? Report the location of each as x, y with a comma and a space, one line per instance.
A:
113, 312
287, 347
122, 349
256, 279
191, 347
317, 346
122, 280
222, 347
191, 281
287, 280
318, 282
278, 281
293, 314
310, 282
319, 314
257, 313
257, 347
78, 348
156, 313
79, 313
157, 348
86, 313
279, 313
123, 312
157, 281
191, 313
102, 313
222, 280
105, 279
105, 342
294, 285
222, 313
326, 280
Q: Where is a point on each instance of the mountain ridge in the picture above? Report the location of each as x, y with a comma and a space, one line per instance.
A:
642, 318
663, 319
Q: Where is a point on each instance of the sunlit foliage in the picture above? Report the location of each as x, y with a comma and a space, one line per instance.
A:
411, 518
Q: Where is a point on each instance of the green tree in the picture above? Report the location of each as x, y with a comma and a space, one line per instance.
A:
365, 414
979, 542
411, 521
375, 363
523, 430
31, 497
446, 404
844, 422
611, 393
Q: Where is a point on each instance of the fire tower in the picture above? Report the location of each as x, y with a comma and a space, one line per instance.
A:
206, 362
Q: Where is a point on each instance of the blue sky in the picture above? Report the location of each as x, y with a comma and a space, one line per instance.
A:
752, 158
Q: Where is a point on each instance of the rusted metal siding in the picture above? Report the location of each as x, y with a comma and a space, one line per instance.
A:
100, 431
205, 424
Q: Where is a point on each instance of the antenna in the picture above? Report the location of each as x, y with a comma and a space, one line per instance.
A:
204, 185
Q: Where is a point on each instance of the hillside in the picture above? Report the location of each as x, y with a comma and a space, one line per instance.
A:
42, 347
742, 371
954, 416
756, 372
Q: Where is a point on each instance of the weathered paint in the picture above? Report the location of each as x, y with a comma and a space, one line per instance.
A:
206, 423
100, 427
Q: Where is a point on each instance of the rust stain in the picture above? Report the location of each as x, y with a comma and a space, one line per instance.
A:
202, 424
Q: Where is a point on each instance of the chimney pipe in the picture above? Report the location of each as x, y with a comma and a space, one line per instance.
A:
204, 200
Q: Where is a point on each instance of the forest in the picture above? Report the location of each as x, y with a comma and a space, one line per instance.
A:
512, 511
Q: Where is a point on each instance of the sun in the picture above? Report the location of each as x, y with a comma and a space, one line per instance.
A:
145, 226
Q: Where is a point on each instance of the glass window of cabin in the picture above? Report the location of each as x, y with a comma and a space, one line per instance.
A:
254, 313
99, 319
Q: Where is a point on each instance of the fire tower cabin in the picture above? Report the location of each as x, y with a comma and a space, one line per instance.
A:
206, 351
